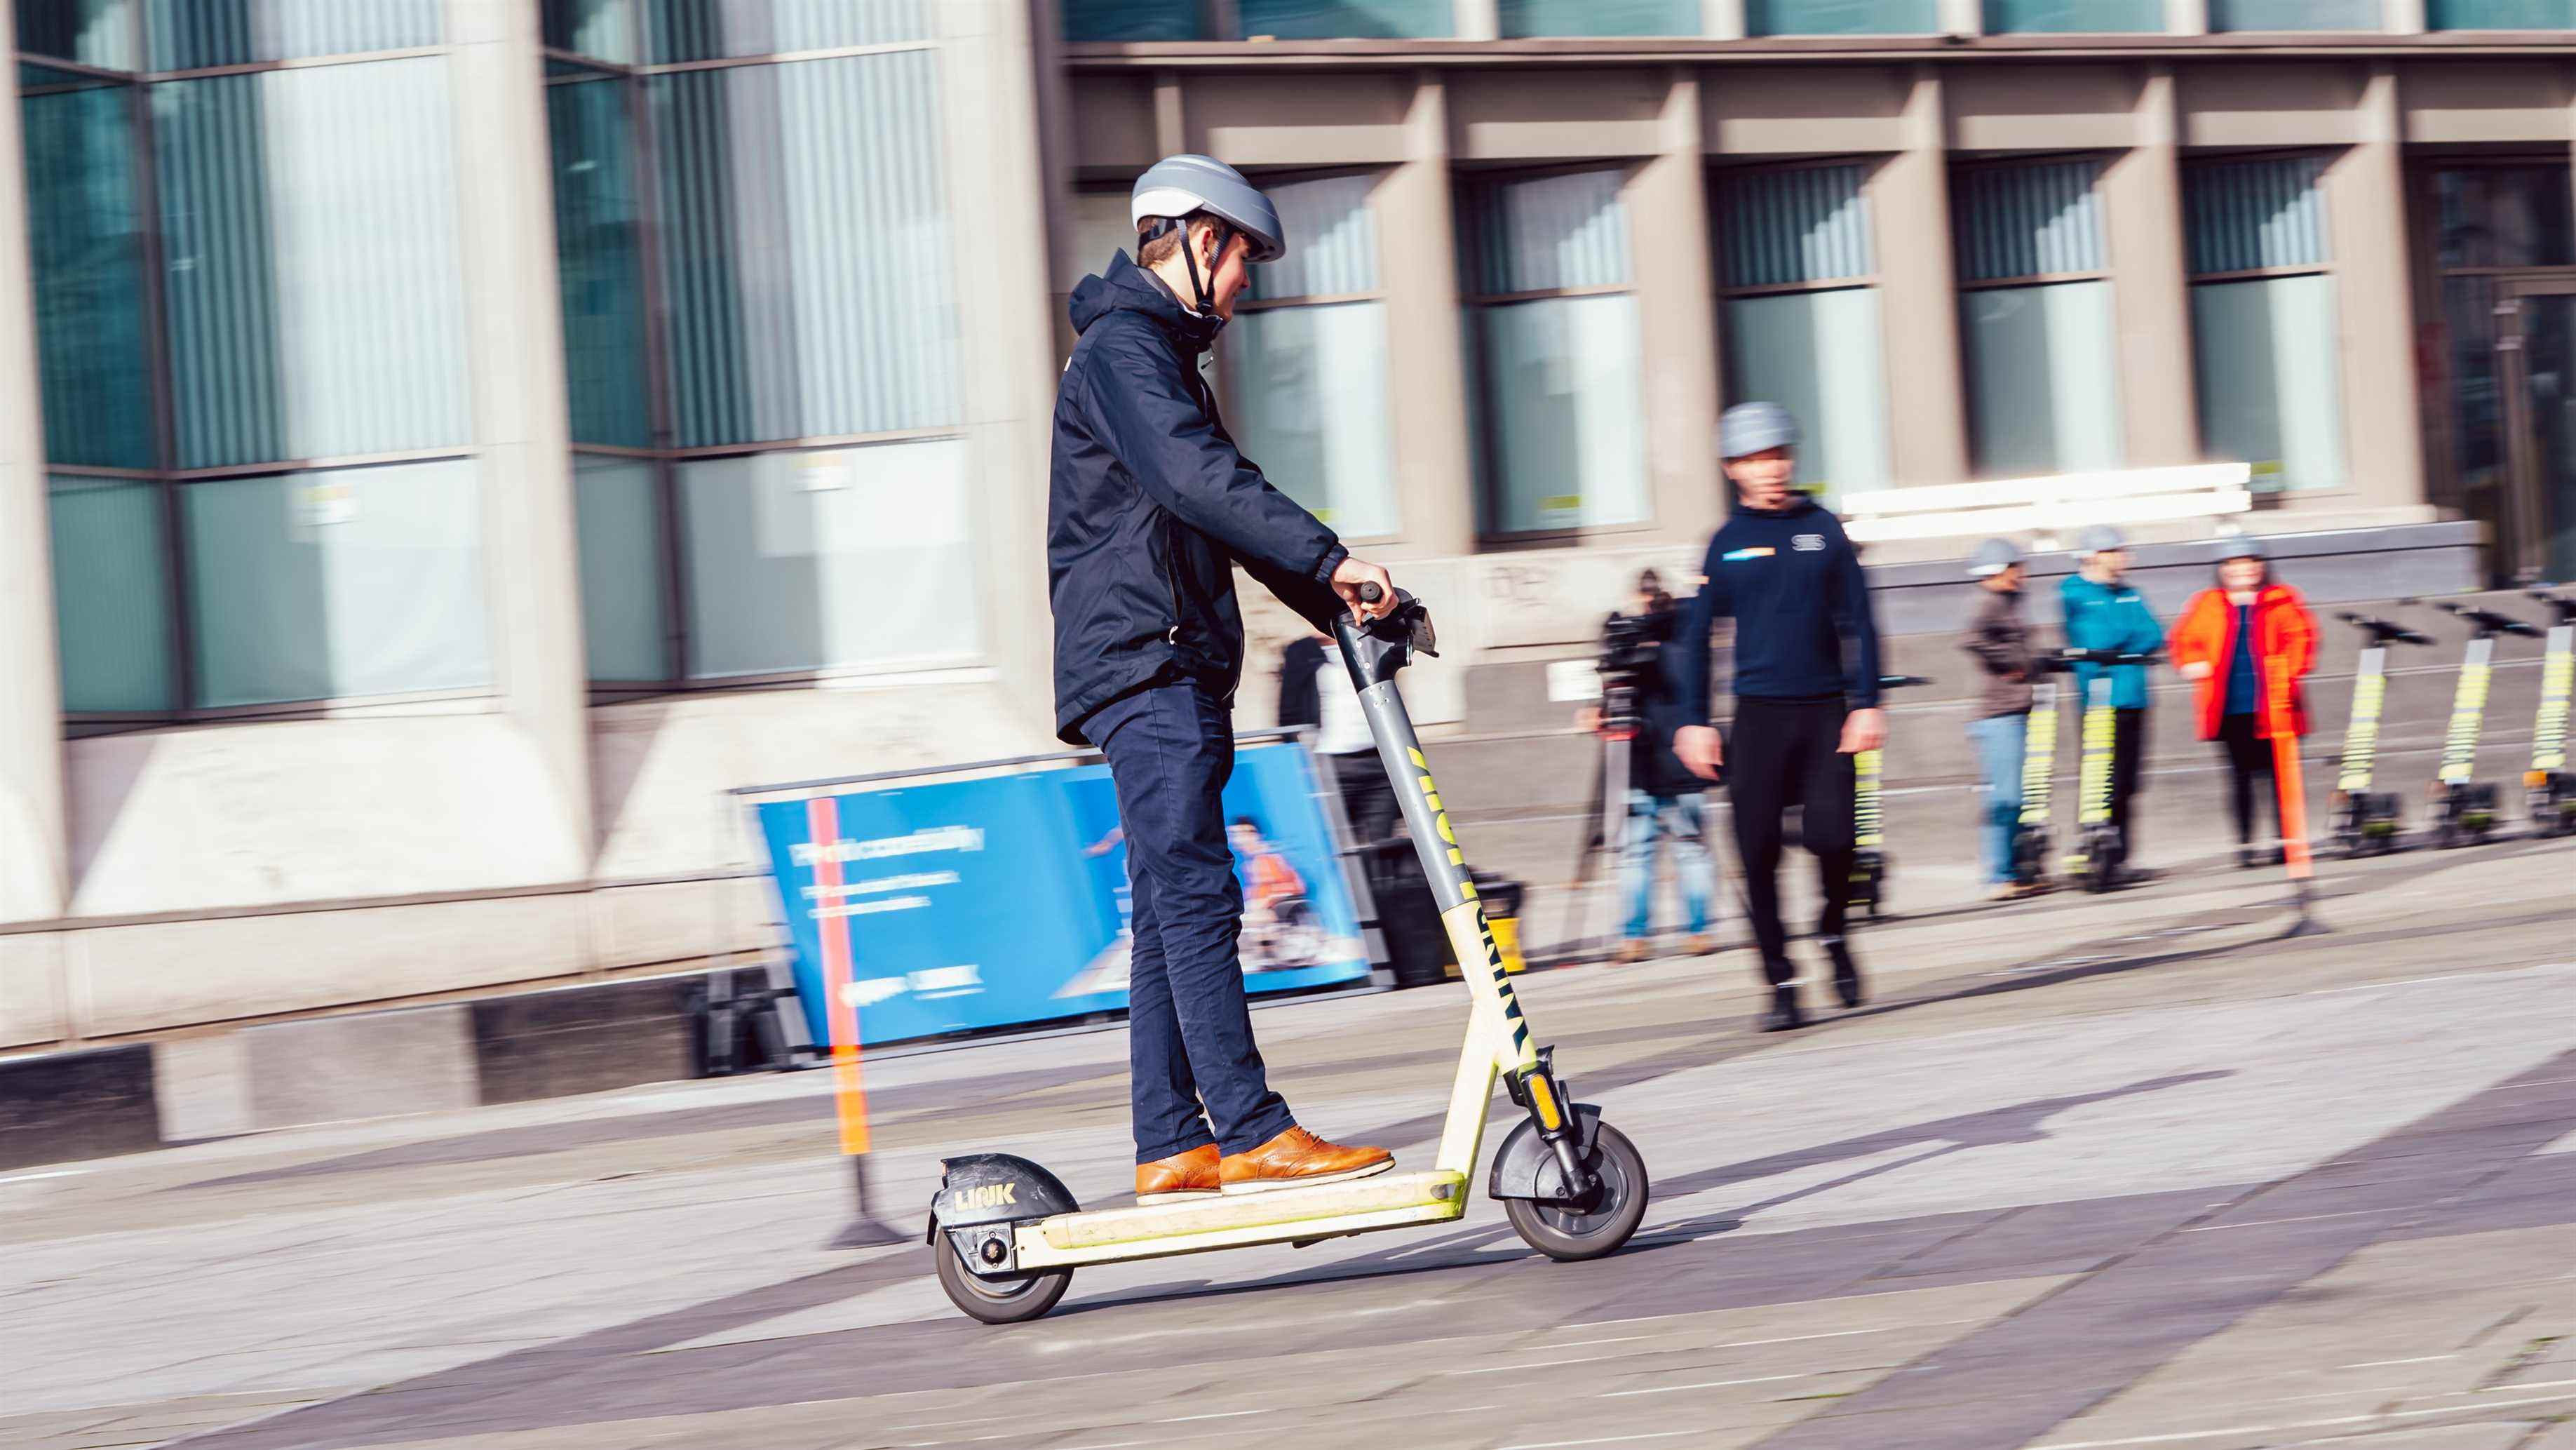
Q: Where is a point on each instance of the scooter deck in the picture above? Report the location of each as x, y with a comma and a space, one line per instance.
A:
1189, 1226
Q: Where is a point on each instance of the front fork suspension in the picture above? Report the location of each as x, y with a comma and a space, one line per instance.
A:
1541, 1093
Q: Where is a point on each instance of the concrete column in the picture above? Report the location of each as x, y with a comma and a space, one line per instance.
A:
2374, 304
1426, 360
1476, 20
1677, 319
1171, 127
1918, 298
514, 327
1962, 17
34, 879
2405, 17
989, 59
2186, 17
1721, 19
2142, 189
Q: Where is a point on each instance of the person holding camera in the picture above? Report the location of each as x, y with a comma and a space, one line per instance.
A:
1806, 688
1664, 798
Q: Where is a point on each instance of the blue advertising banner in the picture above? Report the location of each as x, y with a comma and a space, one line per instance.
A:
940, 908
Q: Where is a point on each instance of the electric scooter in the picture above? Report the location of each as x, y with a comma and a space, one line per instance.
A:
2364, 819
1006, 1235
2549, 791
2101, 853
2464, 809
1869, 859
2038, 777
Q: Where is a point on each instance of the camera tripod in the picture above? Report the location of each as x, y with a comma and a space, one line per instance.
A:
1605, 820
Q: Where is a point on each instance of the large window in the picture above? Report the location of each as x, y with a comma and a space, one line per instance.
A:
2036, 326
1801, 316
2227, 15
2263, 334
2499, 396
2500, 14
1305, 361
2003, 17
1559, 423
1346, 19
761, 338
1134, 19
1520, 18
251, 344
1842, 17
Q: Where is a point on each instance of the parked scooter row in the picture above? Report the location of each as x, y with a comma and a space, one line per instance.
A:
2100, 857
2461, 808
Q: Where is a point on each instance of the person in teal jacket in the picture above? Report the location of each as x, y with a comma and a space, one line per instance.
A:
2104, 611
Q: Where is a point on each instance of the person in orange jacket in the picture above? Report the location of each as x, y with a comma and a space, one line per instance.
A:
2227, 640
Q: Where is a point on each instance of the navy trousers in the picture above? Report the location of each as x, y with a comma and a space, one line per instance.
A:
1189, 1027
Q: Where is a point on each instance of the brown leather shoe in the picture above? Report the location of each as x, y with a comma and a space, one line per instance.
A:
1297, 1158
1183, 1175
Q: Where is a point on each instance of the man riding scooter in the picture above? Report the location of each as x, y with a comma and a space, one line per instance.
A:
1150, 507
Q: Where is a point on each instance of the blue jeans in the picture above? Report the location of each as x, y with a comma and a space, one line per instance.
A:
1999, 740
1681, 820
1189, 1027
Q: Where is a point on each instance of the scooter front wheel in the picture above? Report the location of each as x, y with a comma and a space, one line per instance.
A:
1571, 1233
999, 1301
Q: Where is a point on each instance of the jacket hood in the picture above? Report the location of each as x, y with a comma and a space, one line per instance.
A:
1123, 286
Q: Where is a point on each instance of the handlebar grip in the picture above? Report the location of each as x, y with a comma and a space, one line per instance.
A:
1370, 593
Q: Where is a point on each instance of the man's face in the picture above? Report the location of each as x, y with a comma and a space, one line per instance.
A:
1231, 274
1762, 479
2112, 563
1246, 839
2007, 581
2241, 575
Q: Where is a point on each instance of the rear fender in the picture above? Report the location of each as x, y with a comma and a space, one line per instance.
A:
982, 1197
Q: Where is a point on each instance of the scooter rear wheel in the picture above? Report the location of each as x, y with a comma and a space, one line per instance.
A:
999, 1301
1569, 1234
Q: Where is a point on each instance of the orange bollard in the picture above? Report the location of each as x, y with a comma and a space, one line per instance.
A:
2291, 795
841, 1023
2285, 775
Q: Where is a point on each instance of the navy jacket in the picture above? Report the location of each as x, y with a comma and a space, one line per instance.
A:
1149, 507
1803, 628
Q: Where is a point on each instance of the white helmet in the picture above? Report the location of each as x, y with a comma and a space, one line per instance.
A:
1178, 187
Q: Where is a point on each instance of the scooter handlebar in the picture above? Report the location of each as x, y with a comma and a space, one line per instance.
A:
1899, 682
1370, 593
2383, 631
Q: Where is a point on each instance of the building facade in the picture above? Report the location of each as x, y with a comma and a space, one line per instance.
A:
444, 444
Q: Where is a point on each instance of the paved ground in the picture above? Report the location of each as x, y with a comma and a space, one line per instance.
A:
2131, 1171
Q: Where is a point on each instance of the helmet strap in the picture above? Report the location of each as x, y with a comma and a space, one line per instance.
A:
1205, 300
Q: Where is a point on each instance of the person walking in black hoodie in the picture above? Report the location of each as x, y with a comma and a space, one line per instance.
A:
1806, 688
1149, 509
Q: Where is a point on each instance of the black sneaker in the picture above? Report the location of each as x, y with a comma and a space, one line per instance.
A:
1846, 971
2244, 858
1784, 1015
